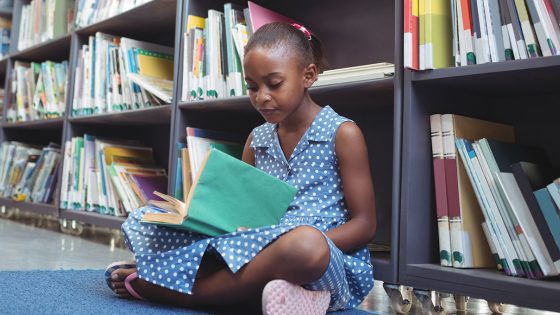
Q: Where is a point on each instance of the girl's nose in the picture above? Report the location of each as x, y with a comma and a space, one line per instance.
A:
262, 96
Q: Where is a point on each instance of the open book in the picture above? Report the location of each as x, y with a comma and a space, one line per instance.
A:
226, 194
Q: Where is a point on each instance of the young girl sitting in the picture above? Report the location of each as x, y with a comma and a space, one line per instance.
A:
315, 260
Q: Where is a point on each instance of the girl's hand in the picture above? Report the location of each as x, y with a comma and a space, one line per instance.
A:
239, 229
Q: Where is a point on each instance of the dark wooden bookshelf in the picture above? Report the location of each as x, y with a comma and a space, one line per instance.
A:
40, 208
44, 124
520, 93
57, 49
156, 115
94, 218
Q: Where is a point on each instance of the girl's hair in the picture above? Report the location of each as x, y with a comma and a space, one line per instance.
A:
278, 34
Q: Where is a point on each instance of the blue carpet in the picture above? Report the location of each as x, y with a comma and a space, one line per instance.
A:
85, 292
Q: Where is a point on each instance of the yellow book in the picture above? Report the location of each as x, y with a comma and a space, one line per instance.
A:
441, 34
194, 21
186, 170
136, 152
155, 64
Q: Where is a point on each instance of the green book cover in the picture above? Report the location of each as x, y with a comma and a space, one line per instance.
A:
226, 195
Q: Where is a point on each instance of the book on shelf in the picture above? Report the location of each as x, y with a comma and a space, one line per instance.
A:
199, 141
445, 252
354, 74
29, 172
42, 21
241, 196
510, 192
471, 32
116, 74
109, 176
89, 12
38, 91
5, 37
411, 30
178, 183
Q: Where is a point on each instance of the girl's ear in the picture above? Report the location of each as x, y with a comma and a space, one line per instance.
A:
310, 75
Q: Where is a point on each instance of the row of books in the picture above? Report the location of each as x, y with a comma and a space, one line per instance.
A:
109, 176
191, 154
108, 68
37, 91
214, 50
497, 202
93, 11
441, 33
29, 172
43, 20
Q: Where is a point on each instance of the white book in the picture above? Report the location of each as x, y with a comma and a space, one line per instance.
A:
500, 209
100, 97
216, 79
92, 193
519, 206
494, 29
483, 200
66, 168
354, 74
482, 43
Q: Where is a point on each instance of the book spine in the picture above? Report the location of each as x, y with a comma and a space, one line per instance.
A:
440, 189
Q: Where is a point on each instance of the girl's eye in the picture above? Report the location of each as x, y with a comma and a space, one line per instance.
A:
253, 88
275, 85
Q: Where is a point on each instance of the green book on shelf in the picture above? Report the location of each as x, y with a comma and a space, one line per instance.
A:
226, 194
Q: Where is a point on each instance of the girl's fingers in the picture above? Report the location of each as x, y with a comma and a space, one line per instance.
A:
239, 229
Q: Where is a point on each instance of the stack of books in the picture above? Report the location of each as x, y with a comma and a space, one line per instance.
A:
214, 50
44, 20
93, 11
191, 154
116, 74
37, 91
441, 34
29, 172
354, 74
497, 202
109, 176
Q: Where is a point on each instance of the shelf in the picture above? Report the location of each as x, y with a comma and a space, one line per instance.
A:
489, 284
150, 20
40, 208
56, 50
157, 115
509, 78
381, 262
42, 124
93, 218
353, 95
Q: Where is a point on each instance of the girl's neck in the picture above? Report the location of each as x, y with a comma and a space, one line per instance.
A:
302, 117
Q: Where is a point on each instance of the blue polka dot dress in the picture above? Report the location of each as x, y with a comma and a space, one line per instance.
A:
171, 258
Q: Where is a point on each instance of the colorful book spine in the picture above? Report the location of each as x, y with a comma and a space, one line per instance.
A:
440, 190
411, 24
527, 29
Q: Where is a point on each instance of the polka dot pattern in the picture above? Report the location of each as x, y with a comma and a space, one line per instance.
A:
171, 258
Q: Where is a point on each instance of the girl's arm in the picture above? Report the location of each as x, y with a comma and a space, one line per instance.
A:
249, 153
351, 151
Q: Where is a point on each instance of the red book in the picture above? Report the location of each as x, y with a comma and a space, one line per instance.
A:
411, 40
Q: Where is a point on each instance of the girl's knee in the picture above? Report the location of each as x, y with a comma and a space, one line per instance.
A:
306, 244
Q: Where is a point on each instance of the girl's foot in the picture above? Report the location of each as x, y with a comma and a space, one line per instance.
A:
117, 277
282, 297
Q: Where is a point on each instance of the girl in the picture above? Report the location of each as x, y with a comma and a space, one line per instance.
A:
315, 260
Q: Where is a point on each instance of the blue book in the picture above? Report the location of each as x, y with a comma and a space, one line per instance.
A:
554, 191
550, 213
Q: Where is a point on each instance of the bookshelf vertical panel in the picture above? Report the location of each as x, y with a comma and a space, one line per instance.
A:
180, 20
7, 95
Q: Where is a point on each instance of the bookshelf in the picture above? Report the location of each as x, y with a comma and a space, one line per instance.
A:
376, 105
521, 93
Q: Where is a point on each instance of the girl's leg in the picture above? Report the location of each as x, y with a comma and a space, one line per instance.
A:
300, 256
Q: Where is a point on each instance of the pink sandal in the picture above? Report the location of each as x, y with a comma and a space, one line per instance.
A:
129, 288
282, 297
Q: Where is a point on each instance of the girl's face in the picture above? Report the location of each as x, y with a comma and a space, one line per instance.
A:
277, 82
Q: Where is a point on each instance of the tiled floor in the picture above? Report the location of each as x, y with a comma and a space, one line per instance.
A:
29, 241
